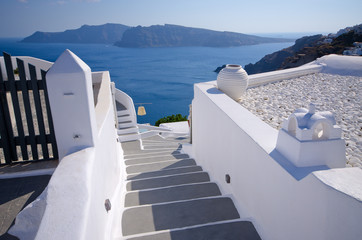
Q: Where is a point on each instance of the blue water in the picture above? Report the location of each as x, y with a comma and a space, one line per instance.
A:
161, 76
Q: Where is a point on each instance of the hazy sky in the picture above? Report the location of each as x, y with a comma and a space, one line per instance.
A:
20, 18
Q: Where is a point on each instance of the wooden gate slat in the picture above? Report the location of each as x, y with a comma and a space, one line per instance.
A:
4, 123
29, 117
50, 116
39, 112
16, 107
8, 140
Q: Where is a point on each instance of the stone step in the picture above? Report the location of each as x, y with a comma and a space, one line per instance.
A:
121, 121
123, 112
127, 130
150, 153
177, 215
124, 118
147, 147
170, 194
126, 124
240, 230
158, 138
156, 159
151, 167
164, 172
129, 137
131, 147
147, 141
129, 154
160, 142
167, 181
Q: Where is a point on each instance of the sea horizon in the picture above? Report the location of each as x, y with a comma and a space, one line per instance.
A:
161, 76
287, 35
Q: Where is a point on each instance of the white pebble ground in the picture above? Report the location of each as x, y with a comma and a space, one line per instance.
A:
338, 94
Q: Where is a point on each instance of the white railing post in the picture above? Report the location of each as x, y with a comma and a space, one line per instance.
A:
69, 83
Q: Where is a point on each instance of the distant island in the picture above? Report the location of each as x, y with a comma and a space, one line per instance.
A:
308, 49
154, 36
179, 36
106, 34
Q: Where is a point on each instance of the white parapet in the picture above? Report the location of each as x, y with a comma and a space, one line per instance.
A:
282, 200
69, 83
259, 79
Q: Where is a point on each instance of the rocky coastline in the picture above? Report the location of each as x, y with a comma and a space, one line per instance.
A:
307, 49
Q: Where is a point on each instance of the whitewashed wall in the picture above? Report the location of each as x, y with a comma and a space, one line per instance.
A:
106, 174
73, 205
284, 202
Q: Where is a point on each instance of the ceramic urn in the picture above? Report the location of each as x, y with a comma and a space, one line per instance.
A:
233, 81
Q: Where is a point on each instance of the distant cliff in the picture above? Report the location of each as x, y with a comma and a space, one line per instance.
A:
305, 50
107, 34
153, 36
179, 36
275, 60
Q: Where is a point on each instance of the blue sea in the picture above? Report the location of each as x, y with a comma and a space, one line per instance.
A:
161, 76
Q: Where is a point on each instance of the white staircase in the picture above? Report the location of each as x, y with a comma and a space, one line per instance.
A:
127, 128
168, 196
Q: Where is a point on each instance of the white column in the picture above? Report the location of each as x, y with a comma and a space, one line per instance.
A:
69, 83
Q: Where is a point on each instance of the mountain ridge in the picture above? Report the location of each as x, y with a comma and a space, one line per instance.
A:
107, 33
170, 35
167, 35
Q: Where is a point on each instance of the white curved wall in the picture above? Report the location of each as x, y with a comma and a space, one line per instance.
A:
73, 205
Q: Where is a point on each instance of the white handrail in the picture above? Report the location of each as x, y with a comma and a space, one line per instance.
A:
126, 101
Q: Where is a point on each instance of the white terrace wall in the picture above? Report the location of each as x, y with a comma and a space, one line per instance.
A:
276, 76
333, 64
283, 201
89, 171
106, 179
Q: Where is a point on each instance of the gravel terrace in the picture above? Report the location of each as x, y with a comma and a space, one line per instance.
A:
338, 94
